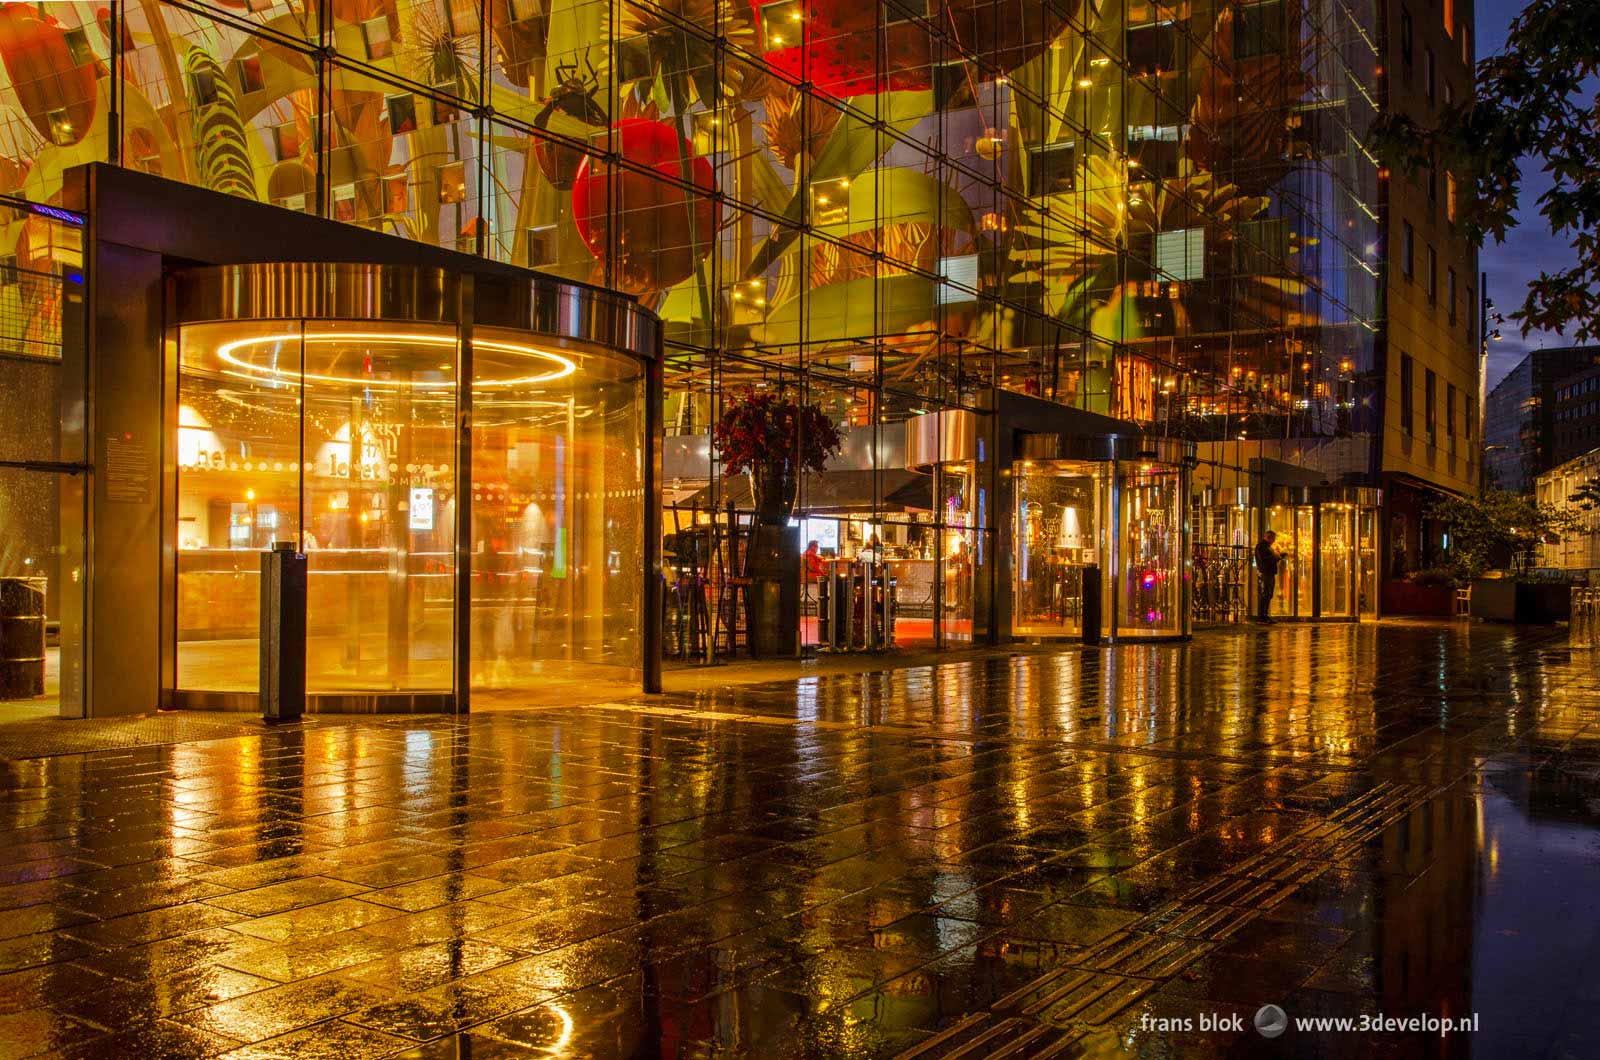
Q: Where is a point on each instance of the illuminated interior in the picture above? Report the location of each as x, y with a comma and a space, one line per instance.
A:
1336, 557
1125, 518
1061, 509
341, 436
1334, 544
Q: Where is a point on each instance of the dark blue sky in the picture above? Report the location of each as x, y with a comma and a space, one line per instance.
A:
1530, 245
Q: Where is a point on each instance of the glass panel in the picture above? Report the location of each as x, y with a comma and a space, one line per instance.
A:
1367, 544
1305, 558
379, 444
1222, 562
41, 510
1060, 519
1281, 521
558, 498
1152, 551
821, 538
41, 593
958, 514
1337, 556
238, 490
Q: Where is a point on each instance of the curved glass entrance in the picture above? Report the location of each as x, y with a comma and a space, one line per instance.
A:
450, 484
1113, 506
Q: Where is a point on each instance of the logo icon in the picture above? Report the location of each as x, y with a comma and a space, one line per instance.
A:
1271, 1021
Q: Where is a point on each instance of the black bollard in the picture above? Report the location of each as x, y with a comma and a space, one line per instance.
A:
283, 633
1091, 604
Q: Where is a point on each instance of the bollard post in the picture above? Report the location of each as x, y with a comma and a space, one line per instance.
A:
283, 633
1091, 604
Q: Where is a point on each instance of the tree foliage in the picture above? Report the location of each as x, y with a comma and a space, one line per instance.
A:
1537, 99
1497, 527
1586, 496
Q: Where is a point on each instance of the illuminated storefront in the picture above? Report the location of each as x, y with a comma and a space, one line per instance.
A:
319, 404
1115, 507
1328, 538
891, 211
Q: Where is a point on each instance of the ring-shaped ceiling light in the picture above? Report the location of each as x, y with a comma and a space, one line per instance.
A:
563, 367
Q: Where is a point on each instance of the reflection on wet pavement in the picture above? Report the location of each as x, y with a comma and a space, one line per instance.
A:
1066, 855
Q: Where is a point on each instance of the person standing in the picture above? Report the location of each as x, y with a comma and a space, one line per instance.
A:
1267, 560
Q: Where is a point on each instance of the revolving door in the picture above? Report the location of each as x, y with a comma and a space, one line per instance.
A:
466, 467
1111, 507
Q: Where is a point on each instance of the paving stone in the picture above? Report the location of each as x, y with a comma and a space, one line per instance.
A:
1047, 854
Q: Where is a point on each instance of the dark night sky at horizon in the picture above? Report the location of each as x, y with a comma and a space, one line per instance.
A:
1529, 247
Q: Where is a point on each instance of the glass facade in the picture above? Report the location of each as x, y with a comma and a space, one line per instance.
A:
1159, 212
43, 382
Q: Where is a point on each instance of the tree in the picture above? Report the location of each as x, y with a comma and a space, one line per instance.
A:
1531, 101
1498, 527
1586, 496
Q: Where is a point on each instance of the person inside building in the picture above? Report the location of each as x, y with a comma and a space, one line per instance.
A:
815, 565
871, 552
1267, 560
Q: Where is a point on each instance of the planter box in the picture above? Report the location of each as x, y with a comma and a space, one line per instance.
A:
1507, 600
1409, 598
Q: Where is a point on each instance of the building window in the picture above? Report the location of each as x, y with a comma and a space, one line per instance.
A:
1152, 48
1428, 72
1407, 370
1450, 413
1052, 167
1450, 18
1450, 293
1430, 414
1464, 35
1432, 277
1258, 29
1472, 313
1405, 39
1471, 416
1450, 197
1408, 244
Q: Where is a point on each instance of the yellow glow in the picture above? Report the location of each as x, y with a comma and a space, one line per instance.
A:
249, 495
226, 353
565, 1037
1084, 82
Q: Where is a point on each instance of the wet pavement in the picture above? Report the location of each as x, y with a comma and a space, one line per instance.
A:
1075, 854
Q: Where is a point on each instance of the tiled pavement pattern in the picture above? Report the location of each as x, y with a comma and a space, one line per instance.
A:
1024, 857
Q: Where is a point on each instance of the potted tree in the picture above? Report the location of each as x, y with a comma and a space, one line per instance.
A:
1492, 541
773, 440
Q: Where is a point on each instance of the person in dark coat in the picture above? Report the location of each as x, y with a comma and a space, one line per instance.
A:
1267, 560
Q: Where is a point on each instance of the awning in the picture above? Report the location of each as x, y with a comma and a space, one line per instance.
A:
835, 492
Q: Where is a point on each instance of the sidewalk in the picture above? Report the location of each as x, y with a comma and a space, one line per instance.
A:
29, 733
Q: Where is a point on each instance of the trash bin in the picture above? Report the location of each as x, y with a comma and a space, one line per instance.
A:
21, 638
